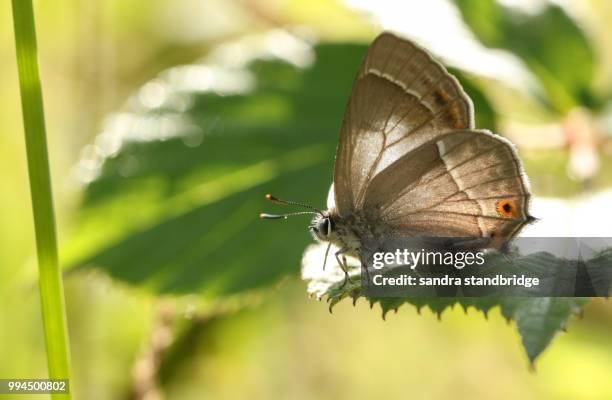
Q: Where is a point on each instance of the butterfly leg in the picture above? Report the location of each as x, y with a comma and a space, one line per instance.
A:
326, 254
343, 264
345, 271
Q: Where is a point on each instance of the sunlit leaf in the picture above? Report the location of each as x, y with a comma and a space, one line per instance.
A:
550, 43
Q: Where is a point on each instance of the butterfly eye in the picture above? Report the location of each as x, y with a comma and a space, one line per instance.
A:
324, 227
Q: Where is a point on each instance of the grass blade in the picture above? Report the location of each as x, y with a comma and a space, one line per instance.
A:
50, 281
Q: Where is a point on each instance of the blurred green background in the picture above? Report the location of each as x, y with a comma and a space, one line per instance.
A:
169, 121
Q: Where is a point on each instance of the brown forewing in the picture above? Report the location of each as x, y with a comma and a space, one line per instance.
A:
401, 99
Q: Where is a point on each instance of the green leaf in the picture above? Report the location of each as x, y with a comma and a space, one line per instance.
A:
177, 181
550, 43
538, 319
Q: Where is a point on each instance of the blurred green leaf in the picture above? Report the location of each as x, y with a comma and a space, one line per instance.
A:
176, 194
550, 43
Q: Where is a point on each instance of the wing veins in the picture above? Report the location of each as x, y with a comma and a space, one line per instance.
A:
376, 162
501, 196
434, 115
448, 171
404, 86
455, 213
472, 187
368, 70
425, 123
460, 191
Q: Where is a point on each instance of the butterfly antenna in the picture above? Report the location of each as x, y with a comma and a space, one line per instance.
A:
292, 203
284, 216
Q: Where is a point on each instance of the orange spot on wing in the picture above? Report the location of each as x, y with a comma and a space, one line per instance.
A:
442, 96
454, 114
506, 208
458, 122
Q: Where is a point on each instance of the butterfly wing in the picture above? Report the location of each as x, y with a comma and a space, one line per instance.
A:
401, 99
466, 183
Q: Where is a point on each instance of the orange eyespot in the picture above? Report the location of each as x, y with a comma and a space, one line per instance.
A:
506, 208
441, 96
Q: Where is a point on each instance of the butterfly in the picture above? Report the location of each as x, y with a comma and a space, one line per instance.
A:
410, 162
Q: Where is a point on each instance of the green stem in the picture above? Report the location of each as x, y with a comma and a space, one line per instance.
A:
51, 290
